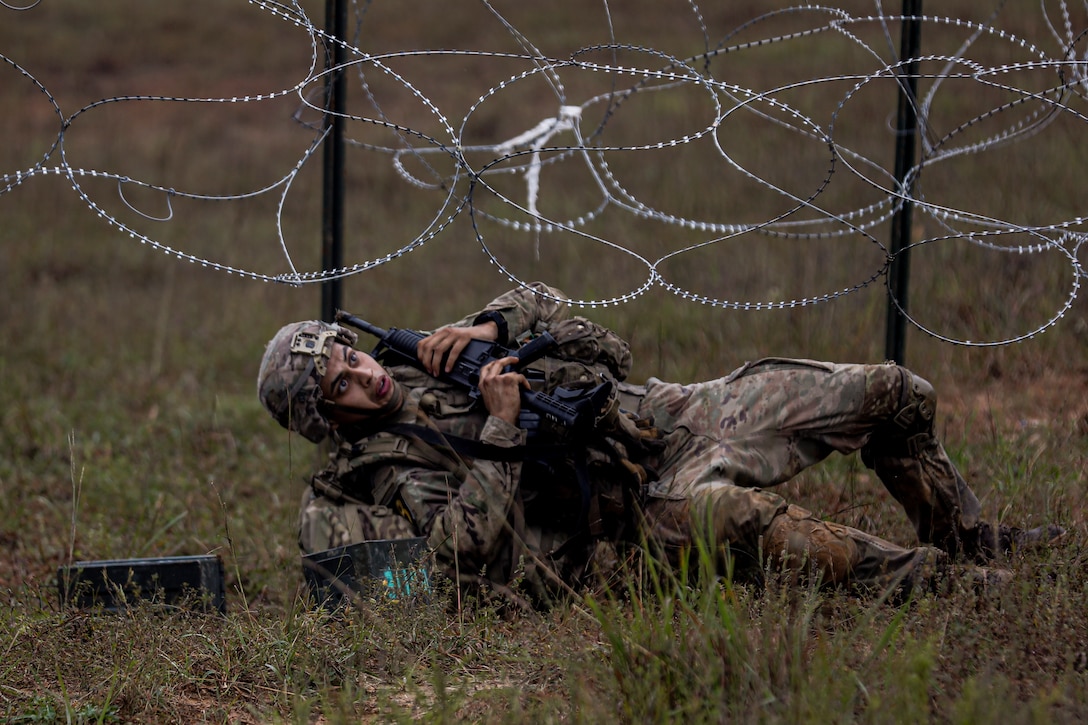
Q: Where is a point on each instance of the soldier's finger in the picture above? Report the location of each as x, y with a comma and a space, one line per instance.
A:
458, 346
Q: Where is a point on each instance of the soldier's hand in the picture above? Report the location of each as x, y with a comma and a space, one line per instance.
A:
448, 343
501, 391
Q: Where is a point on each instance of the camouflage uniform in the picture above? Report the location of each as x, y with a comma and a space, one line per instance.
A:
730, 439
723, 442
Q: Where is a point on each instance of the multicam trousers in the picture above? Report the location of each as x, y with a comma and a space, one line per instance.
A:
730, 439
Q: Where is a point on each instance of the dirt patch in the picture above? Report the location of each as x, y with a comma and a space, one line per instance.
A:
1057, 399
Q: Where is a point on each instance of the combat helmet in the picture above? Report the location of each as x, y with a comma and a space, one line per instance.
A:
294, 362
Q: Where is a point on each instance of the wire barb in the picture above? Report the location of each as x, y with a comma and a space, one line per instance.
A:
608, 130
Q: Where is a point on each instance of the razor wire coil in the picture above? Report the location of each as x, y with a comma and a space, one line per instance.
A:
570, 135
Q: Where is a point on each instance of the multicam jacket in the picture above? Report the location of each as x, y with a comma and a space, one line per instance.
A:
537, 521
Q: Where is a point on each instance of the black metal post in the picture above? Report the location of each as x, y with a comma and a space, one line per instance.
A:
332, 207
906, 132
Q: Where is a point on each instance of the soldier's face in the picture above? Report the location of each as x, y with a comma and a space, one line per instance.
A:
354, 380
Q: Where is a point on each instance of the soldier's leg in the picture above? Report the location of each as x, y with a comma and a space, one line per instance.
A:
913, 465
777, 417
844, 556
767, 422
758, 528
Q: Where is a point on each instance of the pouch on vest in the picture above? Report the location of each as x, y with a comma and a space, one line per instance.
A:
582, 340
351, 479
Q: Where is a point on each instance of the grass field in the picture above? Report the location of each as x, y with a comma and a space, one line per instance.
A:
129, 425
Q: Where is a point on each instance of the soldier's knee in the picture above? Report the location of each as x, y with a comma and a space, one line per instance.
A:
919, 408
801, 543
910, 421
910, 402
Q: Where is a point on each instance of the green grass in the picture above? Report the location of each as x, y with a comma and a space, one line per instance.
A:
129, 425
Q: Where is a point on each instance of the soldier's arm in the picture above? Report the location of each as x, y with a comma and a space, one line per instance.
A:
504, 320
521, 310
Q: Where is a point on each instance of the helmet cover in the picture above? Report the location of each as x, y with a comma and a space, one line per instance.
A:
288, 384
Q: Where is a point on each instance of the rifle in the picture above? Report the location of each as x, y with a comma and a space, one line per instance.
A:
566, 413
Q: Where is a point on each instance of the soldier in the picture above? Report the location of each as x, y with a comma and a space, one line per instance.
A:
667, 465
